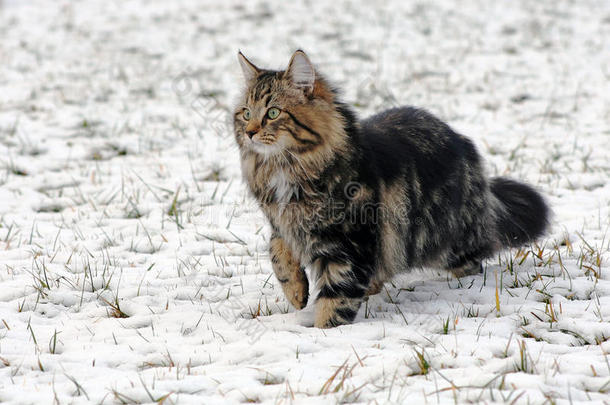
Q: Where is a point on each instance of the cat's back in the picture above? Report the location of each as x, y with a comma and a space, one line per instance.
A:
399, 116
411, 137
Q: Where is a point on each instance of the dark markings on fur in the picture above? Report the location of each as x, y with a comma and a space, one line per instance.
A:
305, 127
298, 138
345, 289
333, 322
346, 313
264, 83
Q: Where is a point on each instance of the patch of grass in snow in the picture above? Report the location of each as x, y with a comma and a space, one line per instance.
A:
12, 168
115, 308
423, 366
525, 364
271, 379
339, 382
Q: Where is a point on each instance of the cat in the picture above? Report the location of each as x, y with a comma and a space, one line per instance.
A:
360, 201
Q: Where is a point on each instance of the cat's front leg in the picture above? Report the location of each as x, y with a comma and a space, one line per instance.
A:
341, 293
289, 272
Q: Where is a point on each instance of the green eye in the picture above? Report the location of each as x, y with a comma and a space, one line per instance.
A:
273, 113
247, 114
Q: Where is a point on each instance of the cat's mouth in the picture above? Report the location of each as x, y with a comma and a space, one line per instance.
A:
265, 148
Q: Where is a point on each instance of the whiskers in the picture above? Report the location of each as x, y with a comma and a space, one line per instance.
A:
298, 160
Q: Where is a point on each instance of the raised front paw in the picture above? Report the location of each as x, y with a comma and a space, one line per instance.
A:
331, 312
296, 289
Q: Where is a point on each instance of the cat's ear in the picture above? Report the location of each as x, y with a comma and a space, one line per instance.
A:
301, 71
249, 69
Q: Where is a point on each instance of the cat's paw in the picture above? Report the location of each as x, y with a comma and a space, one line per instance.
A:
331, 312
468, 269
374, 288
296, 290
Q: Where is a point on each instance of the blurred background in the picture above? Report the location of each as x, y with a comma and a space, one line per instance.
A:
528, 80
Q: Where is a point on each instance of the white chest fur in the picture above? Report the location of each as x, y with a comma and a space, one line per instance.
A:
282, 188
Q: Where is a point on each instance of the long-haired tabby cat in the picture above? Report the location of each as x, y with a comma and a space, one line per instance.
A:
359, 201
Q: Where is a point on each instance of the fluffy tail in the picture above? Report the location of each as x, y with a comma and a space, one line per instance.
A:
523, 214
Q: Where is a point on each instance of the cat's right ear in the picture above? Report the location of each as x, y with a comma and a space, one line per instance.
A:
301, 71
250, 71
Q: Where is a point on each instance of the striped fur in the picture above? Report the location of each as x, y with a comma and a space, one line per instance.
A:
360, 201
289, 272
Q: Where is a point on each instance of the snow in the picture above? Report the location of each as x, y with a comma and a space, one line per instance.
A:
134, 267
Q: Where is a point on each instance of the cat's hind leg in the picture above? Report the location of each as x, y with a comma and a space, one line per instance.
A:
463, 265
289, 273
375, 287
471, 268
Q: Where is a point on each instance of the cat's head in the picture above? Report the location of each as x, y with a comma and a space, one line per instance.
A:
292, 110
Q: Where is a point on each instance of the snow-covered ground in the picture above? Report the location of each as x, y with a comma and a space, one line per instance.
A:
134, 267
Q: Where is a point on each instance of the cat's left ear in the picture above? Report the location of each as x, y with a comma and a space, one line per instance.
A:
249, 69
301, 71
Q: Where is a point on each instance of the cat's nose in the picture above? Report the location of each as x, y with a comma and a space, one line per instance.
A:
251, 133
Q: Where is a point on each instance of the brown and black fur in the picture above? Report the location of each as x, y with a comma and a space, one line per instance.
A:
359, 201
